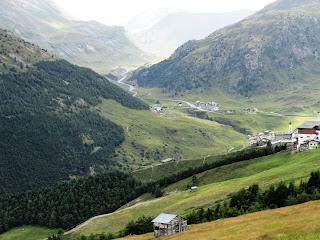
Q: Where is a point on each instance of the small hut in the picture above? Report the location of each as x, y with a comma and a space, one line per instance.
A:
168, 224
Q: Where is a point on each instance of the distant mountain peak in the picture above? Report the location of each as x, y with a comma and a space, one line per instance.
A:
42, 22
287, 4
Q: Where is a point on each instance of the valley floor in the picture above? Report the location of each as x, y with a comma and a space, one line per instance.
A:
300, 222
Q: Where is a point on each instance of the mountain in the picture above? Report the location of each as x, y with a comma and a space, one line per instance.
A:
177, 28
147, 19
89, 44
48, 130
275, 49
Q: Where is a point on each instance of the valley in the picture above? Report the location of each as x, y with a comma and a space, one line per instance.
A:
151, 137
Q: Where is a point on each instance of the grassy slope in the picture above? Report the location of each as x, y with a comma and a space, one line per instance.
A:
215, 185
154, 173
162, 136
300, 222
17, 53
28, 233
296, 105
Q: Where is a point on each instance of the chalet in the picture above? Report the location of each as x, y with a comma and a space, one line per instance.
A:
168, 224
168, 160
194, 189
308, 131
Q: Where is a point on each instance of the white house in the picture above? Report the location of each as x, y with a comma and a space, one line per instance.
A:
308, 131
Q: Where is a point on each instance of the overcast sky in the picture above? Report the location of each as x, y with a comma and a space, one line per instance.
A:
118, 12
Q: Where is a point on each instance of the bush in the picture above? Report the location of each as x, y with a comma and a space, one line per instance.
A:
141, 226
253, 200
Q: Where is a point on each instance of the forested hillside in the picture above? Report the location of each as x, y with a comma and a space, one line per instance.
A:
69, 203
48, 131
275, 49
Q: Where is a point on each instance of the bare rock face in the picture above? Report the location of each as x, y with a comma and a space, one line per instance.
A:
260, 54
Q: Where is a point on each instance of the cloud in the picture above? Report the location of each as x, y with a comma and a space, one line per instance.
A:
117, 12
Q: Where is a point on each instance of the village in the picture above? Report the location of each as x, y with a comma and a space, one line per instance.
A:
180, 104
304, 137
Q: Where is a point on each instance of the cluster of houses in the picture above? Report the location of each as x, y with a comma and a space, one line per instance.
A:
305, 137
250, 110
158, 109
209, 106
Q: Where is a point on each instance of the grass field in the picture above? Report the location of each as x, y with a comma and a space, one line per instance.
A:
300, 222
28, 233
215, 185
264, 121
151, 137
276, 110
294, 100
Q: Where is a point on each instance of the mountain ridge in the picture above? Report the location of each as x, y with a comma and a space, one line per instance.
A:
244, 58
178, 27
89, 44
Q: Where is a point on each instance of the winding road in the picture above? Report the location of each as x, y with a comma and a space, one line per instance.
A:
132, 88
134, 91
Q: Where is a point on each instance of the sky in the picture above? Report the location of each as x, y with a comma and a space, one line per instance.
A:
119, 12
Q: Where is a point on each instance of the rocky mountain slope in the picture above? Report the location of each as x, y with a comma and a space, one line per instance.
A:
48, 131
176, 28
89, 44
275, 49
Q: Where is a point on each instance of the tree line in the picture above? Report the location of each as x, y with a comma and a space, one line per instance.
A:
69, 203
254, 199
243, 155
248, 200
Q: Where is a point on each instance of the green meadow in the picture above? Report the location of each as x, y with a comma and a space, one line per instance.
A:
214, 185
28, 233
300, 222
151, 137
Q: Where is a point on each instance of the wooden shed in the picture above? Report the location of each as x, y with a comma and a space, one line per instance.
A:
168, 224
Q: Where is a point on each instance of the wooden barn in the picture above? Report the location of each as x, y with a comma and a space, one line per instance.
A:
168, 224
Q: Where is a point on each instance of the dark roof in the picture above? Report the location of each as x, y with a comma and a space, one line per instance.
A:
310, 124
164, 218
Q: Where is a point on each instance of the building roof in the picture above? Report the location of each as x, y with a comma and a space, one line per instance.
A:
164, 218
167, 160
310, 124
